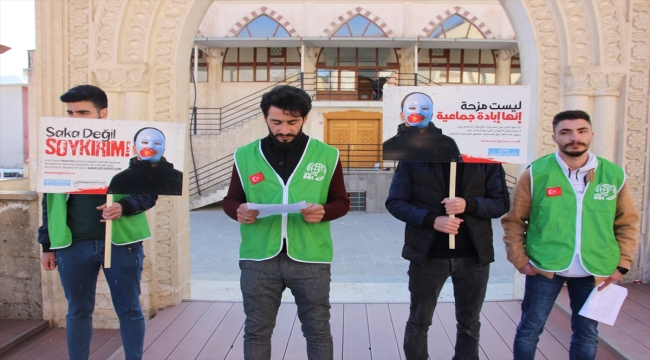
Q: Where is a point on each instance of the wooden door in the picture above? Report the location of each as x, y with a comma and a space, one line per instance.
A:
359, 141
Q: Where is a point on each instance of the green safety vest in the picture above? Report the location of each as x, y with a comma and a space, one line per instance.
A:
126, 229
310, 181
553, 223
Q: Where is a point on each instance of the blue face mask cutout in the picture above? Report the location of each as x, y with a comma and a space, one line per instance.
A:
417, 110
150, 145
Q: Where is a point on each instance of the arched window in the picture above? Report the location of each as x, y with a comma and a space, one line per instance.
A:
261, 64
263, 26
457, 66
359, 26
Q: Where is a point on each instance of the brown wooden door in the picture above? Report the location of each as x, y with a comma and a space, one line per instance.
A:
359, 141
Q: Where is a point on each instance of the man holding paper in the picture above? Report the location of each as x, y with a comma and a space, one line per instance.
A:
572, 221
419, 196
291, 250
72, 237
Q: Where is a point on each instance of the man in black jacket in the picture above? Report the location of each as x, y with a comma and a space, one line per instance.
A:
419, 196
148, 172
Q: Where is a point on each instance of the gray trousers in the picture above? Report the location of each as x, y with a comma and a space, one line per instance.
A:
262, 284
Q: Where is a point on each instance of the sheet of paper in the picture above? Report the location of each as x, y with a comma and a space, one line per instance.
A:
604, 305
274, 209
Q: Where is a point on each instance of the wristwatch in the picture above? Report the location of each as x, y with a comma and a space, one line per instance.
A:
622, 270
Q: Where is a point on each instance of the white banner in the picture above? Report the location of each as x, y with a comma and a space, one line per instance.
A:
480, 124
85, 156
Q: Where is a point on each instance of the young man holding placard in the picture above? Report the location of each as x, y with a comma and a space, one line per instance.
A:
419, 196
72, 237
572, 221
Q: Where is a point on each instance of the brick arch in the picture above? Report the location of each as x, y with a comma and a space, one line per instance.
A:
239, 25
426, 31
336, 24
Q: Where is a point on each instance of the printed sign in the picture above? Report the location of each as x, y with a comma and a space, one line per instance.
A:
93, 156
479, 124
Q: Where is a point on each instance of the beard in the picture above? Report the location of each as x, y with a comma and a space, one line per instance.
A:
285, 144
574, 153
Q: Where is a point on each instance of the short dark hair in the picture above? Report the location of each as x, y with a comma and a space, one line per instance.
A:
570, 115
145, 128
286, 97
90, 93
413, 93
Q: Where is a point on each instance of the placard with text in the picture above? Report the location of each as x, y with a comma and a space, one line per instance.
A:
94, 156
477, 124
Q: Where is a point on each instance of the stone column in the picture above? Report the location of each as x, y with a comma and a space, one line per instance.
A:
577, 90
504, 60
605, 115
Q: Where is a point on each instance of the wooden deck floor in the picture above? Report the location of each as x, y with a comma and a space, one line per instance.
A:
213, 330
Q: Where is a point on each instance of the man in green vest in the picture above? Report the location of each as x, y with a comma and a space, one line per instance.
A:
572, 221
72, 237
291, 250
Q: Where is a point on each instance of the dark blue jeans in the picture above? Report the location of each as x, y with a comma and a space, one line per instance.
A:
541, 293
425, 282
262, 284
79, 266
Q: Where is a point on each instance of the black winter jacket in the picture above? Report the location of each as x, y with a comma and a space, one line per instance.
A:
142, 178
418, 188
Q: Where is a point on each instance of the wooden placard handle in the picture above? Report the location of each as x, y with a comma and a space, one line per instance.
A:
452, 194
108, 244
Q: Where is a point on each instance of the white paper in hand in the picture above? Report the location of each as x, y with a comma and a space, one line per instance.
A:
275, 209
604, 305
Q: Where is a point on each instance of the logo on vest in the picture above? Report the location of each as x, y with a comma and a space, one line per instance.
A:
256, 178
315, 171
605, 192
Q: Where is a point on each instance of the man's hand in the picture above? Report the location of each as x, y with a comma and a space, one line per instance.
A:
454, 206
447, 225
112, 212
246, 215
528, 269
313, 213
48, 259
616, 276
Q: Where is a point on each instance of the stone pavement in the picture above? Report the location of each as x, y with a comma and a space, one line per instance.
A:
367, 263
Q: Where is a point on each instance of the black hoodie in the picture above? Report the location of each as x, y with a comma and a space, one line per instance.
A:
415, 144
142, 178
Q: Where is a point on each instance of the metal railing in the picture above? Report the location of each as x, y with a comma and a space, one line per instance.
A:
209, 176
363, 157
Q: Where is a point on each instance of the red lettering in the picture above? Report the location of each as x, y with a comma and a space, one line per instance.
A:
50, 146
61, 147
73, 146
117, 148
83, 149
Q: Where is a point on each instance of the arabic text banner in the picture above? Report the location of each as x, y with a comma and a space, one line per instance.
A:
487, 123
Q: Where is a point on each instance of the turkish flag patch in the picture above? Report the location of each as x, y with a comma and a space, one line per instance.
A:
256, 178
554, 191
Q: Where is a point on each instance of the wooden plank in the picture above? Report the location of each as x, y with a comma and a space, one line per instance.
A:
447, 314
236, 352
634, 328
356, 342
439, 343
399, 314
282, 331
642, 287
56, 351
15, 351
622, 342
107, 349
36, 349
491, 342
638, 296
224, 336
336, 324
383, 342
636, 311
167, 341
100, 337
13, 332
297, 346
513, 310
159, 324
198, 336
